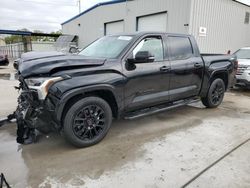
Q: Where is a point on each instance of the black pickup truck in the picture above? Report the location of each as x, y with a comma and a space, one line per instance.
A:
120, 76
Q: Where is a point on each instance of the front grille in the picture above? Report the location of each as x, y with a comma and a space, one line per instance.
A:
241, 69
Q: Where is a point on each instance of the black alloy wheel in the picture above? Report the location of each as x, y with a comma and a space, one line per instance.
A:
87, 121
215, 94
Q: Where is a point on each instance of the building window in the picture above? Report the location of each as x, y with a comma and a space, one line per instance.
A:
247, 18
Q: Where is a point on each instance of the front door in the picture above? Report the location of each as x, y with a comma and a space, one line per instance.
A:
148, 83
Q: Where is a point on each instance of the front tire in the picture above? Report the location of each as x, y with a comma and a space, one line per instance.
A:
215, 94
87, 121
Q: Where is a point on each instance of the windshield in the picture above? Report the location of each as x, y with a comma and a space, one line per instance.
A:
243, 54
108, 47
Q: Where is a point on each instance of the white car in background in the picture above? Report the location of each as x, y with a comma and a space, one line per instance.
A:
243, 72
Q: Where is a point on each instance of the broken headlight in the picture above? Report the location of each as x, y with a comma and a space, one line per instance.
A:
42, 85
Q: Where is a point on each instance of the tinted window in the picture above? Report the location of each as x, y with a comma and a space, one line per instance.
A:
153, 45
180, 48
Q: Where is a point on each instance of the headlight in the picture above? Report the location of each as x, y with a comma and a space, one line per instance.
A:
42, 85
248, 68
35, 81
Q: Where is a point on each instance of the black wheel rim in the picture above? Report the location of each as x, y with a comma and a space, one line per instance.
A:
89, 122
217, 94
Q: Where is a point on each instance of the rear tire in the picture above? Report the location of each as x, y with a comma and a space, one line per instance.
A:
215, 94
87, 121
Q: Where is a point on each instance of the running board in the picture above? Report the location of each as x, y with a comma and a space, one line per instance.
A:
158, 109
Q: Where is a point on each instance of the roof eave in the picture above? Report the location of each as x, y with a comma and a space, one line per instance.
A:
93, 7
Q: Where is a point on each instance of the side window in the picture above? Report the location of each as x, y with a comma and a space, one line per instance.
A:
153, 45
180, 48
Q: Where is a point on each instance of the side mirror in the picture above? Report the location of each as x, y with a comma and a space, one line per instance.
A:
143, 57
73, 50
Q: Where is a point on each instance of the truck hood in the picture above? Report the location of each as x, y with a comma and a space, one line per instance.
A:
49, 64
38, 55
244, 62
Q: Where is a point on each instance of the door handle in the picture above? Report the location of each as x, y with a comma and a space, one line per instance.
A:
165, 69
197, 65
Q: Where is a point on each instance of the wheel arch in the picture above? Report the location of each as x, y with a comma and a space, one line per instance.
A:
211, 76
222, 75
105, 92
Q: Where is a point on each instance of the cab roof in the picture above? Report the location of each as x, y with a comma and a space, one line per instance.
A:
141, 33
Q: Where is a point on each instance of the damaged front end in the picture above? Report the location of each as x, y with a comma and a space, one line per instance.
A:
35, 110
26, 114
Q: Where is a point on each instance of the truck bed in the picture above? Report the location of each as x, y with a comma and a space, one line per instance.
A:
218, 57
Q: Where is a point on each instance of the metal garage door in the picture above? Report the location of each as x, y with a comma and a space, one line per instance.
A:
155, 22
114, 27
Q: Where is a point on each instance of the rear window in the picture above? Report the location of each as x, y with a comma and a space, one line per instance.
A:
180, 48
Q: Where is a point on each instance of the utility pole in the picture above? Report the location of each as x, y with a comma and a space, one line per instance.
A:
79, 4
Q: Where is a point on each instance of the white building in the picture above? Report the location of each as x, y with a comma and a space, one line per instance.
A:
218, 25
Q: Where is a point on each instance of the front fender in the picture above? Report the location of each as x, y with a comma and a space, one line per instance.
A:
82, 90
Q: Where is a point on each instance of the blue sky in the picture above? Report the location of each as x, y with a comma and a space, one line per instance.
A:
45, 15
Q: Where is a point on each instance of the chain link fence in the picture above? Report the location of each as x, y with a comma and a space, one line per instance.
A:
62, 44
16, 50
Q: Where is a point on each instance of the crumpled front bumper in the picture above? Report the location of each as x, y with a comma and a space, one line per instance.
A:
27, 115
29, 108
33, 114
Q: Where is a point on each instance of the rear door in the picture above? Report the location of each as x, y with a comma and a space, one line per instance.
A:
186, 68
